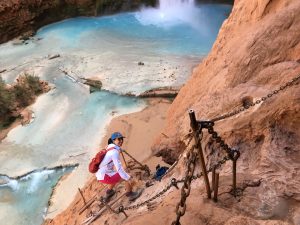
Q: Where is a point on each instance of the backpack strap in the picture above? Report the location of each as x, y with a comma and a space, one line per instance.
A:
111, 148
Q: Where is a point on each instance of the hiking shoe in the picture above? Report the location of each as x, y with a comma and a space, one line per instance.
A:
132, 195
109, 194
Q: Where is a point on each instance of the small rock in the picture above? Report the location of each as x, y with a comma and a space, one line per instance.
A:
141, 64
53, 56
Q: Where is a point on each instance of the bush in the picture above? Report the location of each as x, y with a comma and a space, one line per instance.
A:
18, 96
33, 83
23, 95
7, 101
26, 89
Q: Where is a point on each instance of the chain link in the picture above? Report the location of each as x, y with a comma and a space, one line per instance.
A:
233, 154
186, 187
181, 207
237, 111
172, 183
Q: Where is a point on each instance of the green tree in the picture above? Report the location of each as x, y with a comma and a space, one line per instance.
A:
7, 102
33, 83
24, 96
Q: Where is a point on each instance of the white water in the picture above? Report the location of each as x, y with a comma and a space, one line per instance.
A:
171, 13
19, 198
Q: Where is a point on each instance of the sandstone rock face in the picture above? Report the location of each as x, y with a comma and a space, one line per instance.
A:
26, 16
256, 52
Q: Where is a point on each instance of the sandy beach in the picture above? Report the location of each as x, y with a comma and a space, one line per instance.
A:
139, 128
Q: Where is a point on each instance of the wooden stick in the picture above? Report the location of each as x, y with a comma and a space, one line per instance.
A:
91, 201
82, 196
102, 210
133, 158
124, 159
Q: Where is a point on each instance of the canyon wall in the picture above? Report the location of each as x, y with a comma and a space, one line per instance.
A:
257, 51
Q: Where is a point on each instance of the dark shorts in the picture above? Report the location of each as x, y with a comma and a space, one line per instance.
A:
111, 180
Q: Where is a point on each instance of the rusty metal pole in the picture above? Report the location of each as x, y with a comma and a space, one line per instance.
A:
213, 175
216, 187
195, 126
234, 177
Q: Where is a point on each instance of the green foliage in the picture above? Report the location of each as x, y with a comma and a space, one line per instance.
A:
7, 100
18, 96
23, 95
26, 89
33, 83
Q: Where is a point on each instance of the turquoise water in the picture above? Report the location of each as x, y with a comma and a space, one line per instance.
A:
31, 191
138, 31
69, 122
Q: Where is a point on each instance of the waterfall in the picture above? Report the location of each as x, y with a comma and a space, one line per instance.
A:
169, 4
169, 13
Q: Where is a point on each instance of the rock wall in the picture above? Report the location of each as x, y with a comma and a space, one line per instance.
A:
256, 52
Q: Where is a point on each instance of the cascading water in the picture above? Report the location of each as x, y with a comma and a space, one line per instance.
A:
171, 12
169, 5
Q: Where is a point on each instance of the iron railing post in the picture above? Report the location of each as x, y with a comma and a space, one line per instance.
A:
216, 187
197, 128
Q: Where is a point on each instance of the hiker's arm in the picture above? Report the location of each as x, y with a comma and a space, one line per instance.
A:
119, 167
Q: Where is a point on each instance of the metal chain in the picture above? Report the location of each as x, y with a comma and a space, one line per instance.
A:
174, 183
235, 112
218, 139
233, 154
186, 188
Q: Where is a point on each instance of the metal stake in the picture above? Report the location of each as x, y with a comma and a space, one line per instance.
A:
195, 126
213, 175
234, 177
216, 187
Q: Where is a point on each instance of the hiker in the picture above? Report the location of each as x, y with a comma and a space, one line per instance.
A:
111, 170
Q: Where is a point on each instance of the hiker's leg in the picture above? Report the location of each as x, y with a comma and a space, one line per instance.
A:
110, 186
128, 186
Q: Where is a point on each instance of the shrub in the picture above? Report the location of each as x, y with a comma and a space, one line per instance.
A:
18, 96
7, 101
33, 83
7, 104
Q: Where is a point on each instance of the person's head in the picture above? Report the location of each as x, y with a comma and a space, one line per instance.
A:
117, 138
